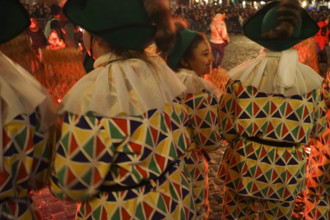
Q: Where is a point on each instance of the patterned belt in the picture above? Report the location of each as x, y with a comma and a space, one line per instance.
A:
271, 143
117, 187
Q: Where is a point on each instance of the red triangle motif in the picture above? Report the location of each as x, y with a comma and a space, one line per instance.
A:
160, 161
99, 148
29, 144
274, 176
167, 120
198, 120
147, 210
270, 128
286, 193
142, 172
273, 108
287, 156
154, 134
214, 117
96, 177
238, 110
306, 112
288, 175
289, 110
202, 138
256, 108
6, 139
88, 208
22, 173
167, 200
240, 128
178, 189
229, 125
301, 133
270, 191
122, 172
122, 124
125, 214
104, 214
73, 144
284, 130
263, 152
137, 148
70, 177
255, 188
258, 172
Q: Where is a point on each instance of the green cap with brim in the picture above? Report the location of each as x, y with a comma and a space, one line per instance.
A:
182, 43
121, 23
14, 19
265, 19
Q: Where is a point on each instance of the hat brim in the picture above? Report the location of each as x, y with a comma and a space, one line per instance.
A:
252, 29
14, 19
119, 30
182, 43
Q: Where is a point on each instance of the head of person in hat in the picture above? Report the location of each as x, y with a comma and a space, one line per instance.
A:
122, 25
14, 19
272, 28
191, 51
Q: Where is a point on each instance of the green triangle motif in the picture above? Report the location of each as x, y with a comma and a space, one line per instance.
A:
127, 149
300, 111
116, 215
61, 176
264, 191
236, 182
89, 147
21, 138
266, 108
271, 154
213, 137
172, 153
240, 166
149, 140
249, 89
139, 212
208, 117
87, 178
228, 104
249, 109
82, 210
279, 129
197, 101
114, 132
269, 174
249, 129
91, 118
65, 142
253, 170
295, 131
183, 216
175, 117
136, 174
153, 165
257, 152
182, 143
162, 124
184, 182
173, 192
264, 127
161, 204
280, 191
282, 108
283, 176
249, 186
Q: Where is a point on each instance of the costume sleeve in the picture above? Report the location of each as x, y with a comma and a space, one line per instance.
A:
203, 108
26, 156
319, 124
227, 105
83, 157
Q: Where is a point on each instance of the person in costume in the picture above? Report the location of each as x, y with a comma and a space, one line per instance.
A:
272, 106
219, 38
317, 194
191, 58
123, 128
27, 115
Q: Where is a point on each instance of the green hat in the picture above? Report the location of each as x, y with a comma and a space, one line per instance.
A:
13, 19
182, 43
121, 23
265, 19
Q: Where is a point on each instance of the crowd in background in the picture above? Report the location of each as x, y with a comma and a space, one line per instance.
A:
198, 18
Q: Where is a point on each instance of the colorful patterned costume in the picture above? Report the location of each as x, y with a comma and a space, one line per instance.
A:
202, 106
25, 151
124, 164
264, 168
258, 170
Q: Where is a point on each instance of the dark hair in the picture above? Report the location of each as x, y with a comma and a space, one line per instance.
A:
288, 14
200, 37
159, 15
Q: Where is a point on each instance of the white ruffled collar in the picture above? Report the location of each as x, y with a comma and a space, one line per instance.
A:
195, 83
277, 73
123, 86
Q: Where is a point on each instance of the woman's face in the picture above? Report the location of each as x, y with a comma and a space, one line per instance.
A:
201, 61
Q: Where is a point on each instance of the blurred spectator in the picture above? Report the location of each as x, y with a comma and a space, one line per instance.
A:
55, 41
38, 38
